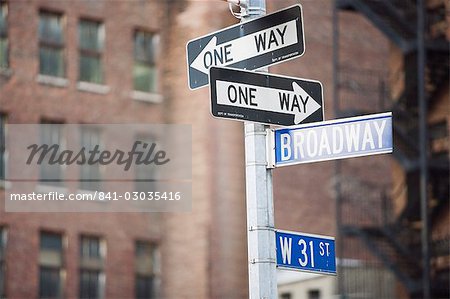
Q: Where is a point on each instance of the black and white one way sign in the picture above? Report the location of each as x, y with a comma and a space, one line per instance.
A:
257, 43
264, 98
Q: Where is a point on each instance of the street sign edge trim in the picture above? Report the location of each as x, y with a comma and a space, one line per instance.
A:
305, 234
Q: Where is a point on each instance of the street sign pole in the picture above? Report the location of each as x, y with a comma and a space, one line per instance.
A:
260, 211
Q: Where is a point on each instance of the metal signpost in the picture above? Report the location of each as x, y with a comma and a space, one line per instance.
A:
305, 252
262, 272
331, 140
263, 98
251, 45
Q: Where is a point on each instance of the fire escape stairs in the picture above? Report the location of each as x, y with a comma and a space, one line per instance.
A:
383, 245
395, 19
392, 243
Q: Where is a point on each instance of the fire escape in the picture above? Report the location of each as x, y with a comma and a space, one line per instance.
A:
393, 237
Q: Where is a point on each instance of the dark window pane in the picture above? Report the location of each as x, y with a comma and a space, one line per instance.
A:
51, 136
51, 241
4, 52
286, 296
3, 19
144, 287
89, 284
145, 45
50, 28
3, 35
144, 249
90, 174
144, 77
144, 69
51, 61
51, 47
49, 282
2, 262
2, 280
90, 35
142, 171
2, 149
90, 69
90, 247
314, 294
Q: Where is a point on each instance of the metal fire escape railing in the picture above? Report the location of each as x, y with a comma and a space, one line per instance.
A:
395, 239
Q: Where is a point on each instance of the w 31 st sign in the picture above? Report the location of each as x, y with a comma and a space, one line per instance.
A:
305, 252
261, 42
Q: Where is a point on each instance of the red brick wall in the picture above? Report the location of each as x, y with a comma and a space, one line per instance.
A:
27, 101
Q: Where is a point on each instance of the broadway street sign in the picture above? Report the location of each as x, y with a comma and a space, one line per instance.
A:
330, 140
251, 45
305, 252
264, 98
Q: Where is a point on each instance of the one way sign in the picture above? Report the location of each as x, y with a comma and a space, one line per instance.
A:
264, 98
257, 43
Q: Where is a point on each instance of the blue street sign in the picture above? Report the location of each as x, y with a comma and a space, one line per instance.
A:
330, 140
305, 252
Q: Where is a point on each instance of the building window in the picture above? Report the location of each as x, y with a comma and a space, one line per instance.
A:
4, 62
51, 136
92, 253
314, 294
286, 296
91, 39
147, 270
2, 262
144, 69
2, 147
90, 173
143, 172
51, 44
50, 265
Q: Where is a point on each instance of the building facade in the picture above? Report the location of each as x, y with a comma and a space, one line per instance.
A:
123, 62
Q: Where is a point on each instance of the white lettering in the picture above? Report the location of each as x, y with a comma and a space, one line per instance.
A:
337, 149
352, 134
285, 147
380, 130
298, 145
324, 143
312, 143
286, 248
367, 137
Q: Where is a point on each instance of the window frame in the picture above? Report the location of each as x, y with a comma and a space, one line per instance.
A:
141, 177
153, 274
5, 35
61, 142
90, 184
147, 62
3, 248
3, 151
92, 53
92, 264
58, 266
53, 45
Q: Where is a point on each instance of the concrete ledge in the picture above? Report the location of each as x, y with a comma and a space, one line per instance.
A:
5, 184
52, 81
146, 97
93, 87
6, 72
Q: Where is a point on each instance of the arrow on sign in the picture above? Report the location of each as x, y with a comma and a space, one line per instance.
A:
295, 102
251, 45
243, 48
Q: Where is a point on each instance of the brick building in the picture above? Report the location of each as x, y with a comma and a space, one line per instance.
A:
79, 62
124, 62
